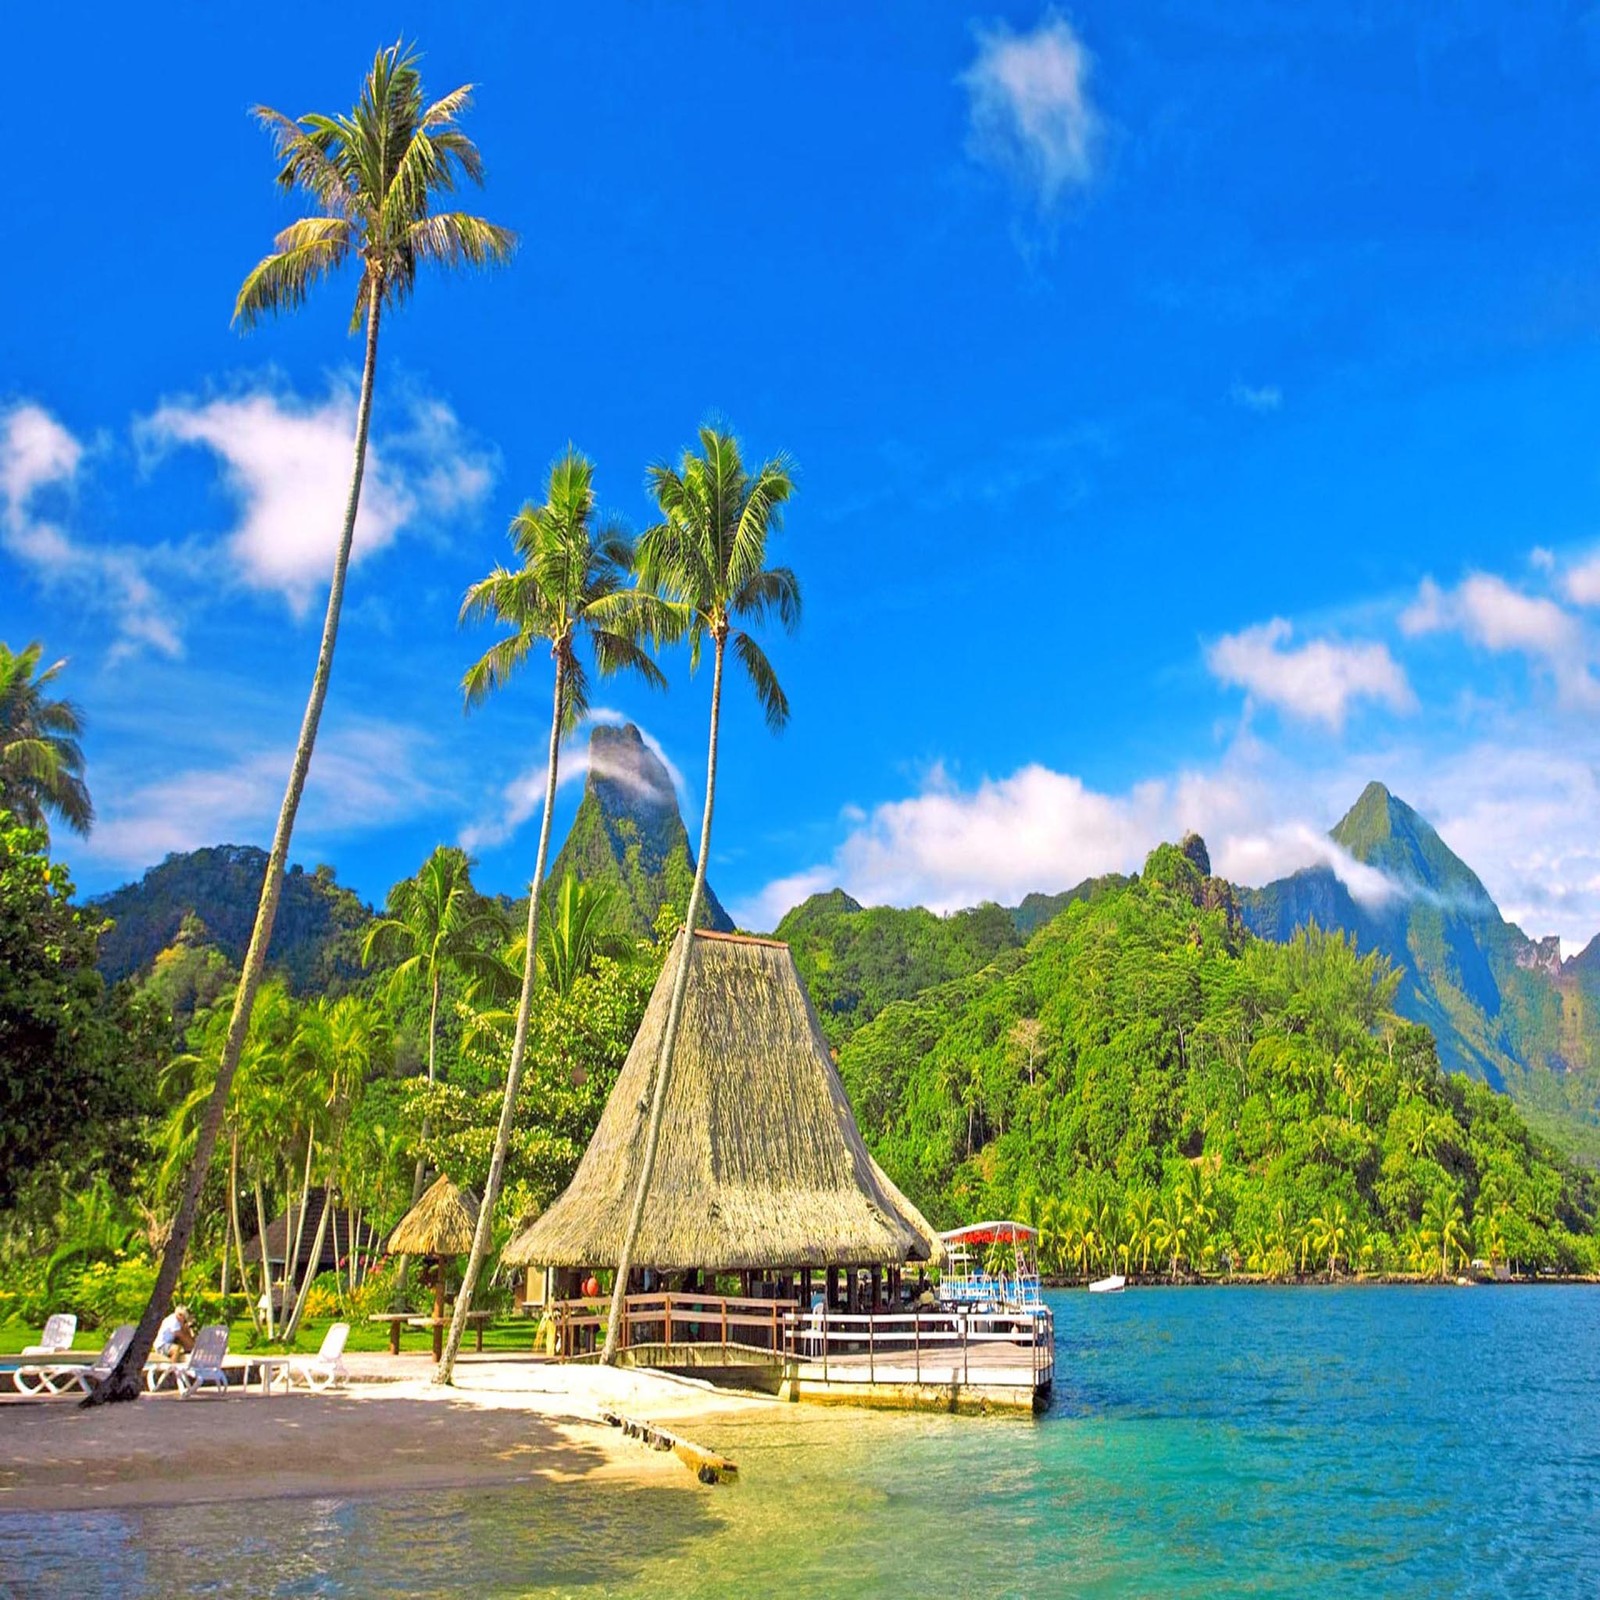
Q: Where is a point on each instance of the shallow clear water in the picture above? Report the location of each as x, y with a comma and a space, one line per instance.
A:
1351, 1442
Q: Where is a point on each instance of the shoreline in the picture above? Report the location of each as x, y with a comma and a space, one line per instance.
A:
503, 1423
1368, 1281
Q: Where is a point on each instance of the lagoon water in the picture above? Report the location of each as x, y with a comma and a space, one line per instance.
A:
1349, 1442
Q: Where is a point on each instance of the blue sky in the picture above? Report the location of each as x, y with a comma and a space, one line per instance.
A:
1195, 411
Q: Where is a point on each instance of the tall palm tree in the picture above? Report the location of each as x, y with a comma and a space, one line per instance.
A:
706, 559
374, 177
41, 761
434, 923
1443, 1231
571, 586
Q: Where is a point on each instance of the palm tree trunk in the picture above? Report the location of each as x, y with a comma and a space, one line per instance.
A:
292, 1326
680, 985
519, 1048
266, 1264
233, 1218
404, 1270
126, 1380
292, 1269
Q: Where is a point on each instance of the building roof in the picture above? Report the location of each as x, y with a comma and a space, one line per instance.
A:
439, 1224
760, 1164
336, 1239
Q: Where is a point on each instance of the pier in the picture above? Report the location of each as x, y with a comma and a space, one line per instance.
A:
918, 1359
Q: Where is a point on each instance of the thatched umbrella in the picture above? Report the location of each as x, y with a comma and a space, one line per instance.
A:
440, 1224
761, 1166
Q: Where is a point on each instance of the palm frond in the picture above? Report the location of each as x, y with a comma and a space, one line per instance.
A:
774, 702
282, 281
453, 238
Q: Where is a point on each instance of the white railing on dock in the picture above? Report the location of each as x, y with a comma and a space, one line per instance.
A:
823, 1337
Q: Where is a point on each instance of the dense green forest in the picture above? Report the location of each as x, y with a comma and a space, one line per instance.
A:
1163, 1090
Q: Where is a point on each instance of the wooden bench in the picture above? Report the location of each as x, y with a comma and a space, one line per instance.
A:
409, 1319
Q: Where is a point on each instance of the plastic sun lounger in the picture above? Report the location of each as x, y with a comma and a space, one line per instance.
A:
204, 1369
326, 1367
60, 1329
60, 1377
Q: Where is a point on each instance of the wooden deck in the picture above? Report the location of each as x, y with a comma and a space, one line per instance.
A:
923, 1360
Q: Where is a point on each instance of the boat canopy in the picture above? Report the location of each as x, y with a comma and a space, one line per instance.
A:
990, 1233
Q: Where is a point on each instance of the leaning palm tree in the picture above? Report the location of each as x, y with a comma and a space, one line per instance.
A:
374, 177
434, 924
41, 761
706, 560
571, 585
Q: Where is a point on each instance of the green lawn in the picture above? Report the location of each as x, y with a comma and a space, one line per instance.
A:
510, 1335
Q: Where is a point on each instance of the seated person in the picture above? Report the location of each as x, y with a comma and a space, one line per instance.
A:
175, 1336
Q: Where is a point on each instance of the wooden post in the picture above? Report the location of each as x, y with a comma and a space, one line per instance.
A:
877, 1287
964, 1322
916, 1334
724, 1321
833, 1287
872, 1323
825, 1340
666, 1319
805, 1288
438, 1312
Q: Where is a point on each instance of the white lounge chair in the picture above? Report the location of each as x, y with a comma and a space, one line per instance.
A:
60, 1329
57, 1377
327, 1366
204, 1368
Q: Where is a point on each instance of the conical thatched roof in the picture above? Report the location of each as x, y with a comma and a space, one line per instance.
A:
919, 1223
439, 1224
760, 1164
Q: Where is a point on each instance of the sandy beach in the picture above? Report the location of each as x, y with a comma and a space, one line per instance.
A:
504, 1421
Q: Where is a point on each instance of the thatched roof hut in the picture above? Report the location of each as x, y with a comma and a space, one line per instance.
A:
439, 1224
345, 1233
760, 1166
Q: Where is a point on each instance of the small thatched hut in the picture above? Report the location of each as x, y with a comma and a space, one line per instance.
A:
761, 1167
438, 1226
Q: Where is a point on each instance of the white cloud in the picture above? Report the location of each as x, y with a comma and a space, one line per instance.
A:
1582, 582
1030, 114
1318, 680
363, 775
1038, 829
288, 461
39, 458
1491, 613
1257, 397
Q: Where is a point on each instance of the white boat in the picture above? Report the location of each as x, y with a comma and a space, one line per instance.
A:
1115, 1284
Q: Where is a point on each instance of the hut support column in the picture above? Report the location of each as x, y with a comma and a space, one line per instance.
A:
833, 1288
877, 1290
805, 1288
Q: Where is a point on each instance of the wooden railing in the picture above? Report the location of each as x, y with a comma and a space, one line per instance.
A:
821, 1336
673, 1319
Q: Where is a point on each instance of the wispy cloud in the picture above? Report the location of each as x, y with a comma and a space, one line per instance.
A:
365, 774
1492, 613
1257, 397
287, 463
1318, 680
40, 462
1030, 115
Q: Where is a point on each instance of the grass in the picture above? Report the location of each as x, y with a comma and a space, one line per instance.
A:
508, 1335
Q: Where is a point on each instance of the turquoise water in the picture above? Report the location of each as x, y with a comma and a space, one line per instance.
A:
1350, 1442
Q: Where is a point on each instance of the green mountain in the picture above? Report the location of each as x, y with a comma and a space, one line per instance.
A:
315, 937
628, 834
855, 960
1502, 1006
1145, 1076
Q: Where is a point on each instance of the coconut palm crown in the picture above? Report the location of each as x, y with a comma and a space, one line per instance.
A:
41, 761
375, 175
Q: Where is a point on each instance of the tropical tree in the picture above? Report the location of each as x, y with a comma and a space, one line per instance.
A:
1140, 1211
570, 587
1329, 1232
435, 923
1442, 1233
707, 561
577, 930
374, 177
41, 761
1171, 1229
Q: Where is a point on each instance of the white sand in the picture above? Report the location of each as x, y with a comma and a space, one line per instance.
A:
504, 1421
